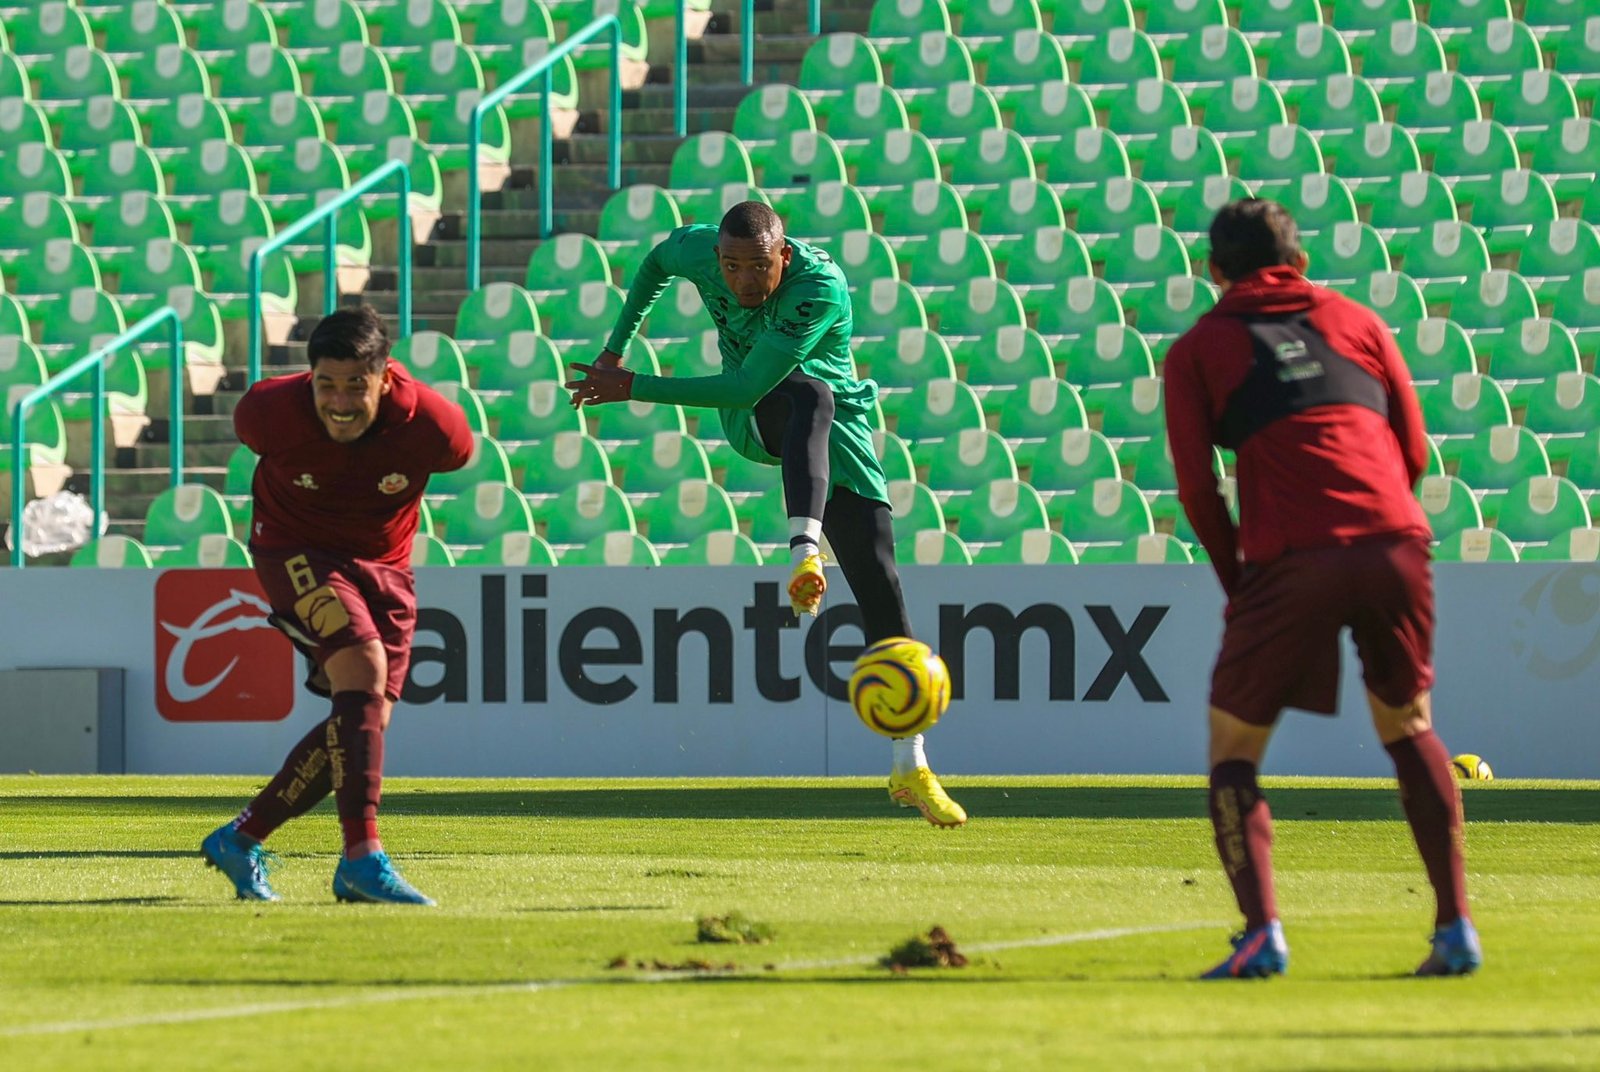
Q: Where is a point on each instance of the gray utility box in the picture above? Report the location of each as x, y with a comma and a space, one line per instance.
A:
62, 720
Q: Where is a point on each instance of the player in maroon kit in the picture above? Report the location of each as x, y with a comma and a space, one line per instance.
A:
1308, 389
346, 450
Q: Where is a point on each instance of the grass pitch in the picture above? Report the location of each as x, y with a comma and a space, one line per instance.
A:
1085, 907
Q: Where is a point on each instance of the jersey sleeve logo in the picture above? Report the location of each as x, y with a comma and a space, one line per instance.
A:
394, 483
307, 481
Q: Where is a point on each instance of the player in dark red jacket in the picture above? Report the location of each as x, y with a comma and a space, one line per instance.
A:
1309, 391
346, 451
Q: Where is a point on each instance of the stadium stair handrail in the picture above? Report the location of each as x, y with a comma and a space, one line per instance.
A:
747, 54
96, 361
328, 215
541, 70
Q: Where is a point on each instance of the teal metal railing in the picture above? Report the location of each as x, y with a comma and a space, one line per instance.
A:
95, 362
328, 215
541, 70
747, 54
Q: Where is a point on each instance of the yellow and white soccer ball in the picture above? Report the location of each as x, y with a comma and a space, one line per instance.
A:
1471, 768
899, 687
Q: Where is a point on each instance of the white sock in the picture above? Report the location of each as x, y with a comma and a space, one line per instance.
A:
805, 538
908, 754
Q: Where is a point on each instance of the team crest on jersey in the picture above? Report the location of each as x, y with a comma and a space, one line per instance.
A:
307, 481
394, 483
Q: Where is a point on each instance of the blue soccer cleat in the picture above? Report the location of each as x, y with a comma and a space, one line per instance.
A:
373, 878
245, 862
1256, 955
1456, 950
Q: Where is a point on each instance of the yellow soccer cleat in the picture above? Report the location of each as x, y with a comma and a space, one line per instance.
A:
920, 789
807, 585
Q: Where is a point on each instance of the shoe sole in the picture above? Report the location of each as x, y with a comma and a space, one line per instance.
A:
350, 897
805, 594
908, 799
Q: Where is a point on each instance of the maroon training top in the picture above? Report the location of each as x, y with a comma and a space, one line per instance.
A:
1325, 476
358, 499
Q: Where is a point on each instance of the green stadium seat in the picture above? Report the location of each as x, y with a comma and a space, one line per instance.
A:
1556, 251
715, 549
231, 26
429, 550
90, 128
886, 307
1050, 111
1345, 252
931, 547
1476, 150
1318, 202
769, 113
1146, 255
21, 364
206, 172
14, 81
481, 512
211, 550
949, 258
1022, 60
687, 510
522, 549
956, 113
412, 30
1209, 59
906, 18
1070, 460
900, 361
535, 411
1446, 255
1574, 545
1308, 56
1446, 100
1078, 310
966, 461
1037, 411
1152, 549
1464, 405
1140, 111
1032, 547
1408, 205
999, 509
915, 506
930, 59
1192, 215
893, 453
800, 159
1180, 161
1436, 349
546, 467
1569, 156
1374, 153
23, 122
1539, 509
565, 261
1394, 296
1339, 104
1244, 104
1119, 206
35, 168
321, 21
113, 551
1079, 22
147, 273
1271, 19
1563, 408
1495, 52
167, 73
33, 219
899, 158
914, 214
181, 514
975, 309
13, 318
229, 271
1534, 103
992, 160
1278, 155
1009, 359
1078, 165
48, 272
1132, 413
432, 357
661, 461
706, 162
471, 406
1577, 306
864, 113
1577, 54
272, 129
585, 316
1118, 58
1496, 459
936, 410
1035, 265
1399, 56
174, 125
491, 313
1497, 300
1449, 505
1107, 510
613, 549
632, 421
1475, 545
1021, 207
837, 62
268, 69
635, 28
1163, 312
1583, 462
126, 166
1509, 206
998, 18
49, 29
1458, 15
823, 211
637, 214
338, 76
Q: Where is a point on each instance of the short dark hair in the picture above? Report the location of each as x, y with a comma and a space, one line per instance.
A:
1250, 234
752, 219
358, 333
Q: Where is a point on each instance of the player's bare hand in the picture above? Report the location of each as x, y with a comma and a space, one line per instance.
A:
599, 385
608, 359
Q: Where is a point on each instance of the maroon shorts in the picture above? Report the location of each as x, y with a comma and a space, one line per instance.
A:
340, 602
1280, 647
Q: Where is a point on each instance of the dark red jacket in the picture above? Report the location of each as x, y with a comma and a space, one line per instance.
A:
1325, 476
358, 499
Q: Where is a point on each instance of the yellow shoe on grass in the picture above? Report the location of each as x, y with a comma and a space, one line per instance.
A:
807, 585
920, 789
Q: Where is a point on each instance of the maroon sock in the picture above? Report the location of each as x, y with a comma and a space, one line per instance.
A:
355, 757
1243, 825
1432, 803
294, 790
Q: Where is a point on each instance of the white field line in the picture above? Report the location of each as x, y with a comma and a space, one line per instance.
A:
532, 986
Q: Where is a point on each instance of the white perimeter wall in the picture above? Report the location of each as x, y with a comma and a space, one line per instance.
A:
1518, 660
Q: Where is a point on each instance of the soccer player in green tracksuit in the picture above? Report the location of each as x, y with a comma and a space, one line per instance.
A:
787, 396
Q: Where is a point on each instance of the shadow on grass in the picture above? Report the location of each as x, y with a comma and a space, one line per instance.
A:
778, 801
92, 854
96, 901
